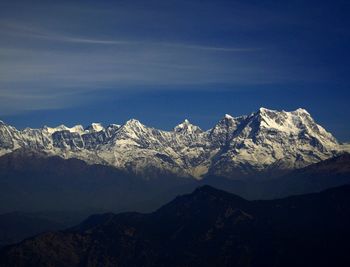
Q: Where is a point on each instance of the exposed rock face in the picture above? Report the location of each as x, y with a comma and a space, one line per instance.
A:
261, 141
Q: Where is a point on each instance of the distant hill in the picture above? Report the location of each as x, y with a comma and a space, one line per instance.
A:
33, 182
14, 227
208, 227
313, 178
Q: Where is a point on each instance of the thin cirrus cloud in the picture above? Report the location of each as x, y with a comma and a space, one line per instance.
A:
52, 52
49, 62
19, 30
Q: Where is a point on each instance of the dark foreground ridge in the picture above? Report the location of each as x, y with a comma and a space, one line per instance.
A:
208, 227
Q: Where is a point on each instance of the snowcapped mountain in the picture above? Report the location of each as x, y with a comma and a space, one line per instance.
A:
262, 141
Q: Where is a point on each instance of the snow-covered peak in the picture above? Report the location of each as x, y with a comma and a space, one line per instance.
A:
301, 111
262, 140
75, 129
273, 113
182, 125
224, 129
264, 110
228, 117
267, 123
130, 131
283, 121
187, 127
133, 122
133, 125
52, 130
94, 127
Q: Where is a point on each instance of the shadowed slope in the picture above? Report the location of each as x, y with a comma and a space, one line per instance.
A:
206, 228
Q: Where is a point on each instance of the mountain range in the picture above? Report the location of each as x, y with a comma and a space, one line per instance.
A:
208, 227
52, 178
263, 142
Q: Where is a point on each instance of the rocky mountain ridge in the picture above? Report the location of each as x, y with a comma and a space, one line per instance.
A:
236, 146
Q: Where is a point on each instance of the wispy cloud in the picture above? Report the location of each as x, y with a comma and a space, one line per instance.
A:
21, 30
210, 48
71, 48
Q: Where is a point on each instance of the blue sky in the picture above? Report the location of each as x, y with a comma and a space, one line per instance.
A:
163, 61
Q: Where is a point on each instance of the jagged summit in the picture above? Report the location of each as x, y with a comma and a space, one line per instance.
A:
228, 117
187, 127
262, 109
75, 129
133, 122
183, 124
133, 125
289, 122
301, 110
95, 127
55, 129
264, 140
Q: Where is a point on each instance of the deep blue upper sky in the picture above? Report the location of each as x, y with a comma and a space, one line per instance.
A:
163, 61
